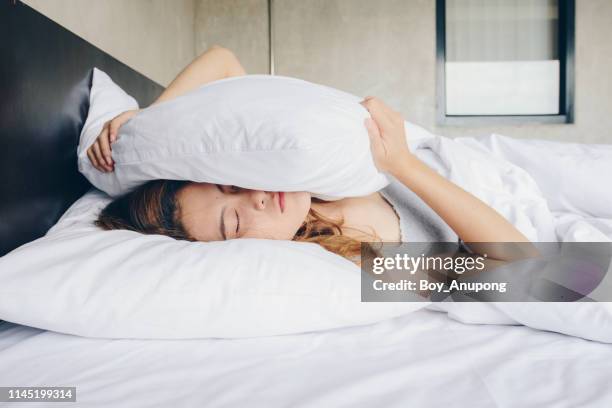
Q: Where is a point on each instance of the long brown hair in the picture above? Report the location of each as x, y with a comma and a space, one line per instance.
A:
153, 208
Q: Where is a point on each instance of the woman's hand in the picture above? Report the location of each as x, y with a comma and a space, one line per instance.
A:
100, 152
387, 134
472, 220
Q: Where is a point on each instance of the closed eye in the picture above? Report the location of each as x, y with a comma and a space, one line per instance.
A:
233, 189
237, 222
230, 189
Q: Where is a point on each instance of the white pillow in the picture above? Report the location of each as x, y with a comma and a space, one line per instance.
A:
258, 131
81, 280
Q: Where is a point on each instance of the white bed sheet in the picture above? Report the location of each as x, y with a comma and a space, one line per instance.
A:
423, 359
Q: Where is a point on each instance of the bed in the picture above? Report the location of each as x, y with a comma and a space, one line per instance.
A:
423, 359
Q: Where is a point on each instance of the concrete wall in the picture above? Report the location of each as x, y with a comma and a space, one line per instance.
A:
382, 48
386, 48
155, 37
240, 25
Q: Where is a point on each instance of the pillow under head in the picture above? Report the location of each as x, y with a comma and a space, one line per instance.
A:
81, 280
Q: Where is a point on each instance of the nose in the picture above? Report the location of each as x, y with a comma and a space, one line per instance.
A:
260, 199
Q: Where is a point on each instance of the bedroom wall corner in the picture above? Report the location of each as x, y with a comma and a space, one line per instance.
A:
154, 37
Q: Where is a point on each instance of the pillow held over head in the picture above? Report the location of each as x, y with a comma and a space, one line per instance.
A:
260, 132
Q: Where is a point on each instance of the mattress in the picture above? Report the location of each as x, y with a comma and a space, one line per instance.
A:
423, 359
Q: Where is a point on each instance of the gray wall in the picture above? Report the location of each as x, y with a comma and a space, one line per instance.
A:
386, 48
240, 25
155, 37
382, 47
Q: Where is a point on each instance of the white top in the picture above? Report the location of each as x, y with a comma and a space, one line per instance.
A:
418, 222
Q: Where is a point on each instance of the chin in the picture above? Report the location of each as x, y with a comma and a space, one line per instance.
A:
298, 203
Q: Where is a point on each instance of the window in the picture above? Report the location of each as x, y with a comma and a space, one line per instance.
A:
505, 61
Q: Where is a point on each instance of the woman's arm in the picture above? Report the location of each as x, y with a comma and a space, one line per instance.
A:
214, 64
476, 223
471, 219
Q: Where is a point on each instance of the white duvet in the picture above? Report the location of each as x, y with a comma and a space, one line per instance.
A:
550, 191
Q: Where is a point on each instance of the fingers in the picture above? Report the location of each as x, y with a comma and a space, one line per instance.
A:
392, 115
92, 159
387, 134
100, 153
376, 105
372, 128
95, 161
119, 121
375, 135
97, 151
380, 112
113, 130
105, 148
377, 144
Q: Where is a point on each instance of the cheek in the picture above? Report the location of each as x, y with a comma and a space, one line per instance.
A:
301, 202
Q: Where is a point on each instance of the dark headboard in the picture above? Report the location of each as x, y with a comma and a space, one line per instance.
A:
45, 76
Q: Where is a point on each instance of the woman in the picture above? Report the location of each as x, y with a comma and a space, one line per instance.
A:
419, 205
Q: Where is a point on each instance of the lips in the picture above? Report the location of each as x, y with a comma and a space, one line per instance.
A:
281, 201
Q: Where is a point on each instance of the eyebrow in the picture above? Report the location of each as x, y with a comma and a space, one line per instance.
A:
222, 223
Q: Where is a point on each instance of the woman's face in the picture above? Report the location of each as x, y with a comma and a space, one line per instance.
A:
214, 212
